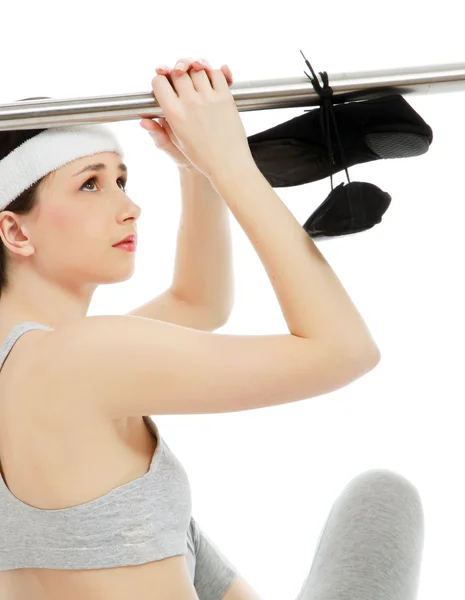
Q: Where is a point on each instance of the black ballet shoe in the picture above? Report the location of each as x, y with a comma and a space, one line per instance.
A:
355, 207
348, 209
296, 152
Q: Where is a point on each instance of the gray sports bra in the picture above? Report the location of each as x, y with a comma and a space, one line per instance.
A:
141, 521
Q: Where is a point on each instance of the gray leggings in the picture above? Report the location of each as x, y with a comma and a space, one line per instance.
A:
370, 548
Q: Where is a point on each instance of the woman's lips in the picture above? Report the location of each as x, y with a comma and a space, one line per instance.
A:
127, 246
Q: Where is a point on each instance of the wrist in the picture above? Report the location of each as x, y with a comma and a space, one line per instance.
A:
233, 173
221, 175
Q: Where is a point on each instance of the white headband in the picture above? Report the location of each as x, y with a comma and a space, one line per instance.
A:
48, 151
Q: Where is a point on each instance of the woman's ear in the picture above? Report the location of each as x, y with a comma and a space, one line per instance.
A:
14, 236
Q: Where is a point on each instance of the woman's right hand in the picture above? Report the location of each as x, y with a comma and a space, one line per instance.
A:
203, 118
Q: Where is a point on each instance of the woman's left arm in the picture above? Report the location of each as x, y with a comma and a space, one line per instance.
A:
203, 272
201, 295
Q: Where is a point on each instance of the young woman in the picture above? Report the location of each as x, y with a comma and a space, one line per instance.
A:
93, 504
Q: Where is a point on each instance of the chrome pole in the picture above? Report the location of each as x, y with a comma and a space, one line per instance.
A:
251, 95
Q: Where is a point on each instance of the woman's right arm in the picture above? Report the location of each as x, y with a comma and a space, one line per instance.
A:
121, 366
314, 303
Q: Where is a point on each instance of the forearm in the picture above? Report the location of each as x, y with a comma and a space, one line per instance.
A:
203, 272
313, 301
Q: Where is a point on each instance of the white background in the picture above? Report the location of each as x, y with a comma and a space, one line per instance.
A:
263, 481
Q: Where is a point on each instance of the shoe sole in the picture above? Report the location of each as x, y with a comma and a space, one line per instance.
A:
397, 145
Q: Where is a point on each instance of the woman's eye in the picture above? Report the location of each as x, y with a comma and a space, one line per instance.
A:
93, 181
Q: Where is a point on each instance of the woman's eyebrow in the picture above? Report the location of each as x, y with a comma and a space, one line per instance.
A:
100, 167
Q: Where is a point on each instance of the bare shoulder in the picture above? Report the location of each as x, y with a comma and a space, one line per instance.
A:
126, 366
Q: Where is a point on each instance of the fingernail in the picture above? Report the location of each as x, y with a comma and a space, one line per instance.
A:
180, 66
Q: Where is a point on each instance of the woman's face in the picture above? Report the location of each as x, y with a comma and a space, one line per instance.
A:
78, 218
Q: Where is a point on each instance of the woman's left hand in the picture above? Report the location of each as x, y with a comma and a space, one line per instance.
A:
160, 129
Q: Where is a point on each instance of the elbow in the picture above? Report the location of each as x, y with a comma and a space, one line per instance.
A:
359, 359
372, 357
366, 358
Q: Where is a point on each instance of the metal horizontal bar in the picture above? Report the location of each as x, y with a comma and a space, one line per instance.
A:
249, 96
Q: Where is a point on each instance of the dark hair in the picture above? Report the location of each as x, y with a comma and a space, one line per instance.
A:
25, 202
